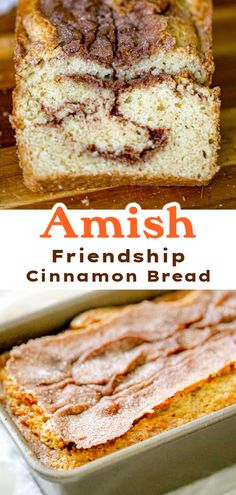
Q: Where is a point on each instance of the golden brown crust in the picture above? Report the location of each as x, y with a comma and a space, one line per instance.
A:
132, 30
103, 181
202, 11
217, 393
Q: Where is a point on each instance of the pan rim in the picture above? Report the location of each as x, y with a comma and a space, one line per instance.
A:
125, 453
122, 454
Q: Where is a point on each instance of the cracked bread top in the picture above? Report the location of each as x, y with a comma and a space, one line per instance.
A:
117, 33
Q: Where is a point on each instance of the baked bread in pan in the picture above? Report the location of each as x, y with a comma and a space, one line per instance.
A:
121, 375
112, 92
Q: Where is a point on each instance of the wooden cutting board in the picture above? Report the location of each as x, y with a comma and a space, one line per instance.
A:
221, 193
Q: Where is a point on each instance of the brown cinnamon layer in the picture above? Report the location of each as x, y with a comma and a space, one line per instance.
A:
158, 138
120, 32
95, 383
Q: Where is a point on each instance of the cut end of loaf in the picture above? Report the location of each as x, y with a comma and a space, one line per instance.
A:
83, 123
75, 130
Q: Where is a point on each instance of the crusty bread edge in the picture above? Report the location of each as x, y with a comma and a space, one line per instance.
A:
202, 13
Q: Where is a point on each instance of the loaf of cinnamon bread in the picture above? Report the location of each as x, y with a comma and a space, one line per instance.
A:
112, 92
122, 375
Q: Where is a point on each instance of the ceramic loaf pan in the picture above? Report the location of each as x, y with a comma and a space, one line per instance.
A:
152, 467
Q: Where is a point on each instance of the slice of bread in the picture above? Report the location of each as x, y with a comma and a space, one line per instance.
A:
110, 93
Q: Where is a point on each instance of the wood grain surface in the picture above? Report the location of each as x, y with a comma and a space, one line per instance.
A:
221, 193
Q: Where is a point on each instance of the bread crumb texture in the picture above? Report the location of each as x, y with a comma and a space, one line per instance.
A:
111, 93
